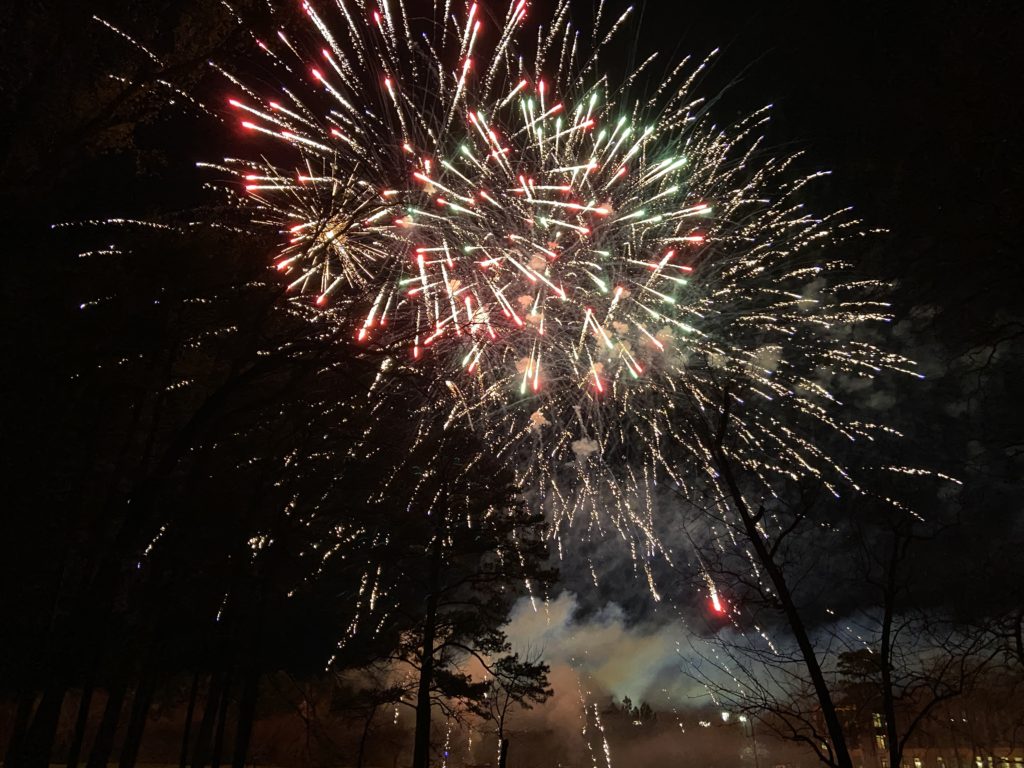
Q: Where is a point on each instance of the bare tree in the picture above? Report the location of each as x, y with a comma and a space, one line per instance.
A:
888, 665
756, 549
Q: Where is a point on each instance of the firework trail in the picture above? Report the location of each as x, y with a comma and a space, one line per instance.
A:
590, 270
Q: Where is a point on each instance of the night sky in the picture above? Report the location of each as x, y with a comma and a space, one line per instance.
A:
917, 109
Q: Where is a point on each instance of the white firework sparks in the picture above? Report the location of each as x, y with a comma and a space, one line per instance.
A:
595, 273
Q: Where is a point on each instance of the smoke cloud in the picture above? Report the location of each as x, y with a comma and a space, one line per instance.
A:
615, 658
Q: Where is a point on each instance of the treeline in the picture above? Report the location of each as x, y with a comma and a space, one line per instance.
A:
232, 490
206, 487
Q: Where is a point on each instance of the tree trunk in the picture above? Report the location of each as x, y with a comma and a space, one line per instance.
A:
189, 714
250, 678
222, 722
201, 751
103, 745
137, 721
1018, 636
38, 743
502, 752
840, 752
246, 715
421, 742
366, 734
885, 653
81, 722
13, 753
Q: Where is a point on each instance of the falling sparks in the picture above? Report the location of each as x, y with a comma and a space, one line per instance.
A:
615, 265
600, 279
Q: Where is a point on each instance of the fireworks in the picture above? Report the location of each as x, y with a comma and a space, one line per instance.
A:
596, 269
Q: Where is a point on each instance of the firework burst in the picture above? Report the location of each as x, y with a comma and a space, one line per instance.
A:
597, 274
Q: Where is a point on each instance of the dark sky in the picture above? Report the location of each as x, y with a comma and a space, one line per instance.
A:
918, 110
916, 107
